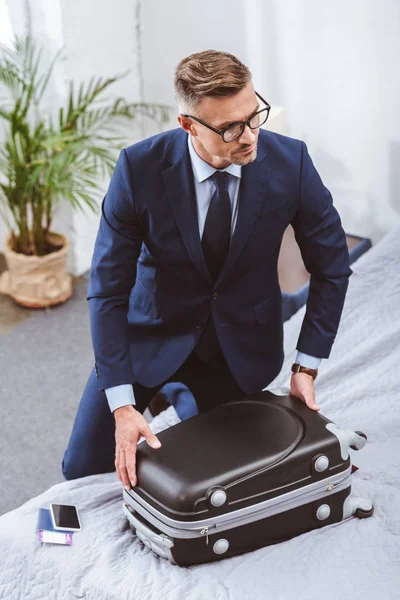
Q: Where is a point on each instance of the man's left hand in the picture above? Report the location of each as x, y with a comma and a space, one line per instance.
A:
302, 386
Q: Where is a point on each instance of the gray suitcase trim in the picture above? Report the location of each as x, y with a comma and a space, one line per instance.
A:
159, 543
183, 529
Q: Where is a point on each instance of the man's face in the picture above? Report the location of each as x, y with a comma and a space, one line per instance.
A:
220, 112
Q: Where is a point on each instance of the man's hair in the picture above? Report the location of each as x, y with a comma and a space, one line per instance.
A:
208, 73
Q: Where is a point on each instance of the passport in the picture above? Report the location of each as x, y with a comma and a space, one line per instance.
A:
46, 531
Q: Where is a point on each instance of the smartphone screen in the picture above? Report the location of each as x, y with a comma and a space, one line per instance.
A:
65, 516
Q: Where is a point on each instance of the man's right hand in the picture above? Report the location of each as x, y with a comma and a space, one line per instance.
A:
130, 426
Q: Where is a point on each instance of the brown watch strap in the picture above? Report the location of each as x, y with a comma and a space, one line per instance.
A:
296, 368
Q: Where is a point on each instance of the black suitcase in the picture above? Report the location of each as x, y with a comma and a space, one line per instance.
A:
241, 476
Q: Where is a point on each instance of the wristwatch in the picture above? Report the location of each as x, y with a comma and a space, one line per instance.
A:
296, 368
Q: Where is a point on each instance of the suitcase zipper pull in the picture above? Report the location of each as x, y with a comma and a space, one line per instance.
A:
331, 486
205, 532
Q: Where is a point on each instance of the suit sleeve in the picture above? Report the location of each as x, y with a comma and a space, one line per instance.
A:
112, 276
322, 242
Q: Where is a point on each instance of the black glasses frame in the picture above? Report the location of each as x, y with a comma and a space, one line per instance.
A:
242, 123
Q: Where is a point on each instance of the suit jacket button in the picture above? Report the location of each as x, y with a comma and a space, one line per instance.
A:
199, 325
214, 295
97, 371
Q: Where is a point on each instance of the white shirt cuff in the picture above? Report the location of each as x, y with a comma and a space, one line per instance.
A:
305, 360
120, 395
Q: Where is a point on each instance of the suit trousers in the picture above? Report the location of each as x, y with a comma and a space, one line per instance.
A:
91, 447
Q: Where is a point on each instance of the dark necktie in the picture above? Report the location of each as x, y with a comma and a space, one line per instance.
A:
217, 228
215, 242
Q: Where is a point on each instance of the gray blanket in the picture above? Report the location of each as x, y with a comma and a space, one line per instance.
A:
358, 388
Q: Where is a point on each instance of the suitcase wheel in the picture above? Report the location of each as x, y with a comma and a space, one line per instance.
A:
354, 506
364, 514
362, 435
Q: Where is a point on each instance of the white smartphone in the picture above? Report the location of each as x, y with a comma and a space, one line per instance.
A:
65, 516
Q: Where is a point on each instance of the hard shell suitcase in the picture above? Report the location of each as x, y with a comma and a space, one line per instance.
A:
246, 474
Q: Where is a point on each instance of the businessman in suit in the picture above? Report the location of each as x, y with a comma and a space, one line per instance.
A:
183, 283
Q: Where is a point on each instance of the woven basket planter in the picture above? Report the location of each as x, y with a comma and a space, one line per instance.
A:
37, 281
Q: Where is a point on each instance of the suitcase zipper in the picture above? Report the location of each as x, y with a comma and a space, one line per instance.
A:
285, 506
183, 529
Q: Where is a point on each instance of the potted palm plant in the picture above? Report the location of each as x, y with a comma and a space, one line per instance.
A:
45, 160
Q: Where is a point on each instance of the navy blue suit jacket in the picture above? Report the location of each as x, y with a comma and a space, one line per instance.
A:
150, 292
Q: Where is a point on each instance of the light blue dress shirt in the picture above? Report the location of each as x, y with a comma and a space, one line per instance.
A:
122, 395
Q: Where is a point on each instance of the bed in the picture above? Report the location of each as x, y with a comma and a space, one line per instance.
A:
358, 388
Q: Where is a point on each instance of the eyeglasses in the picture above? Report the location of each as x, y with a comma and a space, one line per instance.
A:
235, 130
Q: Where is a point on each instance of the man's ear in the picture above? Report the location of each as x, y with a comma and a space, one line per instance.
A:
187, 125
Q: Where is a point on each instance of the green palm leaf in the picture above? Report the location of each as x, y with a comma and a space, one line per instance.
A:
43, 163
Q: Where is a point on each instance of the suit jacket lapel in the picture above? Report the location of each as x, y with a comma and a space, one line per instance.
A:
179, 184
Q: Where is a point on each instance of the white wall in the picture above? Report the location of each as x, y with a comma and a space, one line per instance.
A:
99, 43
336, 71
177, 28
333, 66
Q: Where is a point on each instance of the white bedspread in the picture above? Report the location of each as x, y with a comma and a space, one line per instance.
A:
358, 388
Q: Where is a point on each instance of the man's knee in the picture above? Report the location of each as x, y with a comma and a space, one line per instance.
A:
75, 469
67, 471
71, 469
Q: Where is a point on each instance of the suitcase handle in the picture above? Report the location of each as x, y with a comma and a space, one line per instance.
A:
157, 542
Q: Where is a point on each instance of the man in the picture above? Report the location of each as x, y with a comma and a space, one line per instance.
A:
183, 283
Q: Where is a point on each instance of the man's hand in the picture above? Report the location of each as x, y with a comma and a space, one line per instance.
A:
302, 386
130, 426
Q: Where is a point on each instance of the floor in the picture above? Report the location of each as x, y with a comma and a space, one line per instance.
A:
46, 357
